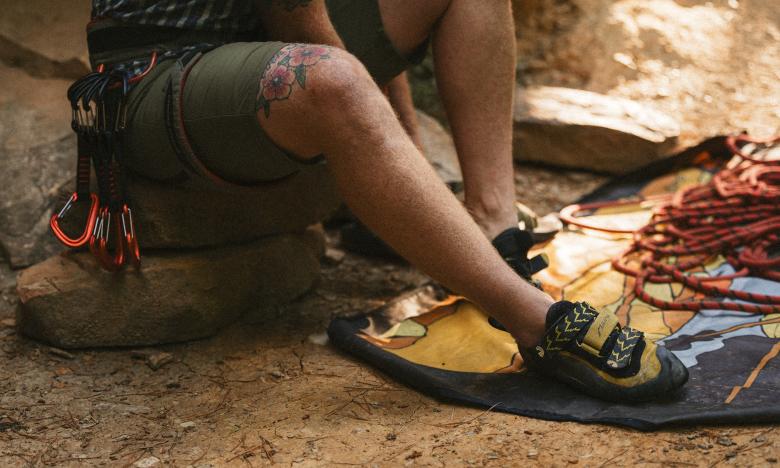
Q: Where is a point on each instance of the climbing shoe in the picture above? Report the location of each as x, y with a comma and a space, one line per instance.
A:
513, 245
588, 350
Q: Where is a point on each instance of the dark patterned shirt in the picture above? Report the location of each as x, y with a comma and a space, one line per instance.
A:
204, 15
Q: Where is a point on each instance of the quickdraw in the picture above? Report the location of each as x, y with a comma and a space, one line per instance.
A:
99, 117
736, 215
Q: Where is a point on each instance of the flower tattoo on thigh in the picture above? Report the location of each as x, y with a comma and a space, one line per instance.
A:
286, 69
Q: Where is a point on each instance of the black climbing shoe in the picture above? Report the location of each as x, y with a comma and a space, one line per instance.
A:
513, 245
588, 350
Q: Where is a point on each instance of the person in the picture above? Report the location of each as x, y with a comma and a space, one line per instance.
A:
260, 89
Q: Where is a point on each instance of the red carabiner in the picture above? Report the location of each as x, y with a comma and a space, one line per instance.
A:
98, 243
54, 222
131, 241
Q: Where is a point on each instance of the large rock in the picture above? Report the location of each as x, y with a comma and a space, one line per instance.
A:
69, 302
171, 217
439, 149
585, 130
37, 151
46, 38
8, 299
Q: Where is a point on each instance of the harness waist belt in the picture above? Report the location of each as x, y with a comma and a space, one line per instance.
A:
110, 41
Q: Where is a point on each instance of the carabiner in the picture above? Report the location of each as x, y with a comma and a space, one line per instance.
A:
99, 241
54, 222
131, 241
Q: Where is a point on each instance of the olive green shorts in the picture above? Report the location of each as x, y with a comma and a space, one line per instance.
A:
207, 111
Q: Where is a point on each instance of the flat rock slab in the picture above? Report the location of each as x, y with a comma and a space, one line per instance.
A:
171, 217
47, 38
68, 302
584, 130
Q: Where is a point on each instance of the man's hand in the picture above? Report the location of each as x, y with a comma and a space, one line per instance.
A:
297, 21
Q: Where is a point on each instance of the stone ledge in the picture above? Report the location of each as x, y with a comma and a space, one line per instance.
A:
585, 130
68, 302
169, 217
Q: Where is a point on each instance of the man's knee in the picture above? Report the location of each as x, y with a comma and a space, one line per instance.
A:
310, 76
304, 90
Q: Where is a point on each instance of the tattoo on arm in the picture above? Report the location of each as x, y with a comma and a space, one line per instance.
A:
287, 69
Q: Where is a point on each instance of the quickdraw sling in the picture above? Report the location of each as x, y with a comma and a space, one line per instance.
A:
99, 116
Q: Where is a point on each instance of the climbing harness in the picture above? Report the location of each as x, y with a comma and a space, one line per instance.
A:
99, 115
736, 216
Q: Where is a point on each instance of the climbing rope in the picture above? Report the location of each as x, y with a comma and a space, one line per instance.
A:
736, 215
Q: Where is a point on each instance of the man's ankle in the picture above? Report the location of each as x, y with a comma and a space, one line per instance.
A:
531, 332
494, 222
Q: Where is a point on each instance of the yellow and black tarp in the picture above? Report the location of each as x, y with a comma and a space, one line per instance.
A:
448, 348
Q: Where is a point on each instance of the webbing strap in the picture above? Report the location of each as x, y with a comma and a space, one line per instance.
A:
83, 170
110, 41
599, 332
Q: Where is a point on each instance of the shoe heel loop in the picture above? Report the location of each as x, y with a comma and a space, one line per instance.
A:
538, 263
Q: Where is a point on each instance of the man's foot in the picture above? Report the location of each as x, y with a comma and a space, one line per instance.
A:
588, 350
513, 245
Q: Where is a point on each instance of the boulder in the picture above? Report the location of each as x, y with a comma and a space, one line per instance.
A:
439, 149
179, 217
69, 302
59, 52
8, 300
585, 130
37, 151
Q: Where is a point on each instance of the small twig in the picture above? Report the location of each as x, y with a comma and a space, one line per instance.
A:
265, 450
300, 359
217, 408
456, 424
613, 458
245, 452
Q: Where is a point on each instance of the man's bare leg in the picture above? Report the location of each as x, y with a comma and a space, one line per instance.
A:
387, 183
474, 54
400, 96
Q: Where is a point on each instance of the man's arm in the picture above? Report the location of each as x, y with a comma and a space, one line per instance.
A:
298, 21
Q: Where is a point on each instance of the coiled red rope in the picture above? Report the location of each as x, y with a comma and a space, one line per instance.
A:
736, 215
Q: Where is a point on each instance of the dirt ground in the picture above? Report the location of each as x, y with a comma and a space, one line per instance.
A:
268, 391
